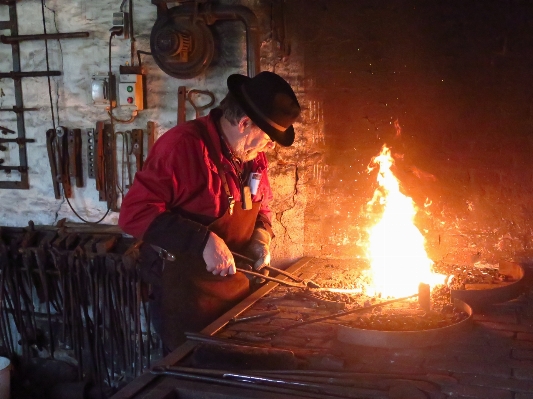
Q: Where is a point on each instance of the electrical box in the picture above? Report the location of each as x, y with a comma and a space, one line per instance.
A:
130, 91
103, 89
121, 20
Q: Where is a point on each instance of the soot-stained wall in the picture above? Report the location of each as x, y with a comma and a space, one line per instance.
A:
446, 85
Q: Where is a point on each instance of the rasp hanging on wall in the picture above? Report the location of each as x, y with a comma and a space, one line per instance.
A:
106, 164
74, 156
64, 154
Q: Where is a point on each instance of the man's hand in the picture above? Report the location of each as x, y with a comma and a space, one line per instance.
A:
259, 248
218, 257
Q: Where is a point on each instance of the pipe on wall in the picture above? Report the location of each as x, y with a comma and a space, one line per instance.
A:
244, 14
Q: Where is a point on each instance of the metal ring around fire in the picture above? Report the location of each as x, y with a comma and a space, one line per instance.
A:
405, 339
481, 296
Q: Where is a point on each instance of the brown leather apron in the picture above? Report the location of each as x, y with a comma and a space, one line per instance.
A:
192, 297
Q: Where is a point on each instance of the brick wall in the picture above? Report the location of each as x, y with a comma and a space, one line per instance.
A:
454, 77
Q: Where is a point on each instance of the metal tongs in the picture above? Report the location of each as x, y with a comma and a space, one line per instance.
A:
296, 281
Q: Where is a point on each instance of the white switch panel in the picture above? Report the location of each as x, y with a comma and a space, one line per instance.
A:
103, 89
130, 91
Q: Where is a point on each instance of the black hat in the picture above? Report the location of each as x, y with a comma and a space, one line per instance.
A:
269, 101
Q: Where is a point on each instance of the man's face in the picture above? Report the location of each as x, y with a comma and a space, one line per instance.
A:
254, 141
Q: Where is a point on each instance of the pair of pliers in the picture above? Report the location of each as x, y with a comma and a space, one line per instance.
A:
298, 282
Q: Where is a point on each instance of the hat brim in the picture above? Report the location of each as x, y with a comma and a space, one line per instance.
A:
284, 138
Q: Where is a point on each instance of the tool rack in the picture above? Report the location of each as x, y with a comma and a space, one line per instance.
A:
17, 74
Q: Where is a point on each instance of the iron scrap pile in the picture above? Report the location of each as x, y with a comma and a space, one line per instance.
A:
77, 295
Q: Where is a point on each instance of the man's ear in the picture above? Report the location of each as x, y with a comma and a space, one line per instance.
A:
244, 123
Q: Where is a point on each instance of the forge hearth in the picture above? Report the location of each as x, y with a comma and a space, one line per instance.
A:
483, 286
408, 330
492, 359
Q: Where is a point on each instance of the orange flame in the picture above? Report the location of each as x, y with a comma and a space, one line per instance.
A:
396, 251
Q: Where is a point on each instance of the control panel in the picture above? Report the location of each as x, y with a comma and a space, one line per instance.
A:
130, 91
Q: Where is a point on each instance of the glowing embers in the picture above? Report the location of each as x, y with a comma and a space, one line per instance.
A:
396, 251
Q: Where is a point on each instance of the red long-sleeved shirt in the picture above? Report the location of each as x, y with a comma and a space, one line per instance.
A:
179, 192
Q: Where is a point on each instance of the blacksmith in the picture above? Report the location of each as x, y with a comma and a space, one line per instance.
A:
204, 192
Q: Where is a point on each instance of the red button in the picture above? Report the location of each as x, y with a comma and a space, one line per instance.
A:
130, 100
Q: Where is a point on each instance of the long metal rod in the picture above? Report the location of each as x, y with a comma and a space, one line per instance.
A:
354, 375
207, 339
17, 74
49, 36
17, 140
5, 24
334, 316
18, 110
307, 283
276, 280
19, 102
278, 386
10, 168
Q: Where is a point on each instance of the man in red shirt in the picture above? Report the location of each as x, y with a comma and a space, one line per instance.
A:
203, 193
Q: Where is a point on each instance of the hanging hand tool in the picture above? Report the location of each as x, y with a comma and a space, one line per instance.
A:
137, 147
64, 155
50, 146
74, 156
62, 159
305, 282
182, 98
126, 152
150, 131
91, 151
110, 167
199, 108
99, 164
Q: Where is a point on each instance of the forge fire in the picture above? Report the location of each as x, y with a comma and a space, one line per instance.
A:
396, 253
396, 269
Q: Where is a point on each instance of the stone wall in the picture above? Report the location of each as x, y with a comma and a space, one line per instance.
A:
79, 59
445, 85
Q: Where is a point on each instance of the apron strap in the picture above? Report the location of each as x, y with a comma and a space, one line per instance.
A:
213, 155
